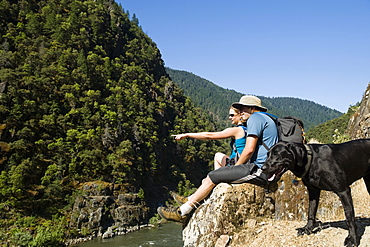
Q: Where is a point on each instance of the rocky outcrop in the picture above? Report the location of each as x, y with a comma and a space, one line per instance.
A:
359, 124
226, 211
233, 211
107, 210
232, 208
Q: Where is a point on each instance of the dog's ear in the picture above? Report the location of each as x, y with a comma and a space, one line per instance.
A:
297, 152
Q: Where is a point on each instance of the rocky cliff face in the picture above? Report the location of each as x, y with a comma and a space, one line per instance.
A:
107, 210
359, 124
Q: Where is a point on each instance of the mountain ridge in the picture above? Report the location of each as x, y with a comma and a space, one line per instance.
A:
216, 100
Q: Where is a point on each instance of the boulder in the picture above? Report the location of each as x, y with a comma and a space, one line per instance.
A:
226, 211
291, 198
233, 210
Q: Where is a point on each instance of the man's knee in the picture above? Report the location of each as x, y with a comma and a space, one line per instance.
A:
209, 177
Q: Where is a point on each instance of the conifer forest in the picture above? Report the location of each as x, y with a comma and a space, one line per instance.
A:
84, 96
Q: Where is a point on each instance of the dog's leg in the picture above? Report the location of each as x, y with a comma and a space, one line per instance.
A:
367, 182
346, 199
314, 196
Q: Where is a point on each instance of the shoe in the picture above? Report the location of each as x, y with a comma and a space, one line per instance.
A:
178, 198
172, 214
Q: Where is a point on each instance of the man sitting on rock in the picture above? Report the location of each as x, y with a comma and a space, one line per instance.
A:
261, 129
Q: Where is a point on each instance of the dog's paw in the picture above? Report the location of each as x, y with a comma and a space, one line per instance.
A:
304, 230
350, 241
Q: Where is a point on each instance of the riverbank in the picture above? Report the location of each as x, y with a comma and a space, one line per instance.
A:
165, 235
108, 234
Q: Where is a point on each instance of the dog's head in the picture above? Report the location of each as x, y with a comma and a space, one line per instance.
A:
282, 156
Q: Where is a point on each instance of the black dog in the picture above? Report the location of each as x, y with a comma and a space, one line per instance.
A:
332, 167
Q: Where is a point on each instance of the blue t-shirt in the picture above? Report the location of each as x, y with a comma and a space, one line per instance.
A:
262, 126
239, 143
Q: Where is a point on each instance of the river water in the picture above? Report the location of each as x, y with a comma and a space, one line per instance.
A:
166, 235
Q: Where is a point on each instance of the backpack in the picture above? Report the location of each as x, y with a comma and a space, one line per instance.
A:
289, 128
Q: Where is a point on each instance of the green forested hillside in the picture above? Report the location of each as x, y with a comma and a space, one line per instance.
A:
84, 96
332, 131
217, 100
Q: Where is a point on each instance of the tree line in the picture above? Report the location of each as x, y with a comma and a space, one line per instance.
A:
216, 100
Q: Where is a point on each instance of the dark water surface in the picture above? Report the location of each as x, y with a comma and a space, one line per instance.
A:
167, 235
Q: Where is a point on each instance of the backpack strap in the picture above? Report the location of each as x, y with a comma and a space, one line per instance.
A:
264, 144
244, 128
237, 154
274, 118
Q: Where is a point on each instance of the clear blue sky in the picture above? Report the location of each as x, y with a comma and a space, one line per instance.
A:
317, 50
